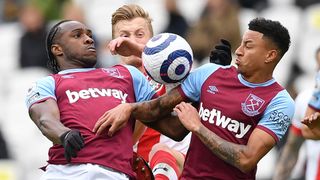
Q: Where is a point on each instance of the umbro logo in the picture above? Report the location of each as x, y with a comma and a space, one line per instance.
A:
213, 90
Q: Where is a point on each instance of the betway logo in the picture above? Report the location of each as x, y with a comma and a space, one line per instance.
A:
74, 96
214, 117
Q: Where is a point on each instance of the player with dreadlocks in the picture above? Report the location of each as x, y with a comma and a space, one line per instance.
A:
66, 105
52, 62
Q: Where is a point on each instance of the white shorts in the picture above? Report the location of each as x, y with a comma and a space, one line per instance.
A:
81, 172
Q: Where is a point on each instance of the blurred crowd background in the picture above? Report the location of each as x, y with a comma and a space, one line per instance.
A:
23, 28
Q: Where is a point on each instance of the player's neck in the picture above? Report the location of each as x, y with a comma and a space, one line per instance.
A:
135, 64
257, 78
140, 67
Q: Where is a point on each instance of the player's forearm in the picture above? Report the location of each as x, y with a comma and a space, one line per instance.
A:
233, 154
311, 127
138, 50
147, 111
285, 166
52, 130
49, 126
288, 157
311, 133
156, 109
46, 116
171, 127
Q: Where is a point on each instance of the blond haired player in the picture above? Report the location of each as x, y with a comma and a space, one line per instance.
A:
165, 156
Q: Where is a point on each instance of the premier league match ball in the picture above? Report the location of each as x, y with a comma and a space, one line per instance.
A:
167, 58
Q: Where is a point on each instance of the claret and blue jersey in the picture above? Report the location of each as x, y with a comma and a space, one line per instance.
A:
83, 96
232, 108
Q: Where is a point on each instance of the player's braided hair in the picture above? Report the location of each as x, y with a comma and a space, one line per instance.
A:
51, 39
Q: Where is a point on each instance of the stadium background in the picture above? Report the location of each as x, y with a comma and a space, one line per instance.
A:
27, 147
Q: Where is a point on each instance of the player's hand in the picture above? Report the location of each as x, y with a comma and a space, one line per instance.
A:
312, 120
188, 116
114, 119
124, 46
221, 54
72, 142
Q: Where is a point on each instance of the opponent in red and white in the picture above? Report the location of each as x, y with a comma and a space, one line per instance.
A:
165, 156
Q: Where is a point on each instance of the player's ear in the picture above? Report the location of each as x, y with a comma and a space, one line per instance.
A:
56, 50
271, 56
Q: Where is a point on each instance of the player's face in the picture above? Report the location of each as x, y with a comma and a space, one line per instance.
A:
137, 30
77, 45
251, 54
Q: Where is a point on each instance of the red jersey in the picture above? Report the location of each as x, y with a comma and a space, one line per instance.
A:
151, 137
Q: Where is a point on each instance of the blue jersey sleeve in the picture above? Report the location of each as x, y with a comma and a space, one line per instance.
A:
278, 115
191, 86
42, 89
142, 89
315, 99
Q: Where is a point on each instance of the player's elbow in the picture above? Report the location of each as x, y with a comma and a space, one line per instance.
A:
179, 134
246, 168
247, 165
179, 137
176, 135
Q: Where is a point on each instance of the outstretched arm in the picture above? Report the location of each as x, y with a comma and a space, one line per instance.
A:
124, 46
311, 130
155, 114
169, 126
244, 157
156, 109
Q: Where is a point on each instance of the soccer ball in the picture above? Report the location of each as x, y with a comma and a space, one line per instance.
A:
167, 58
